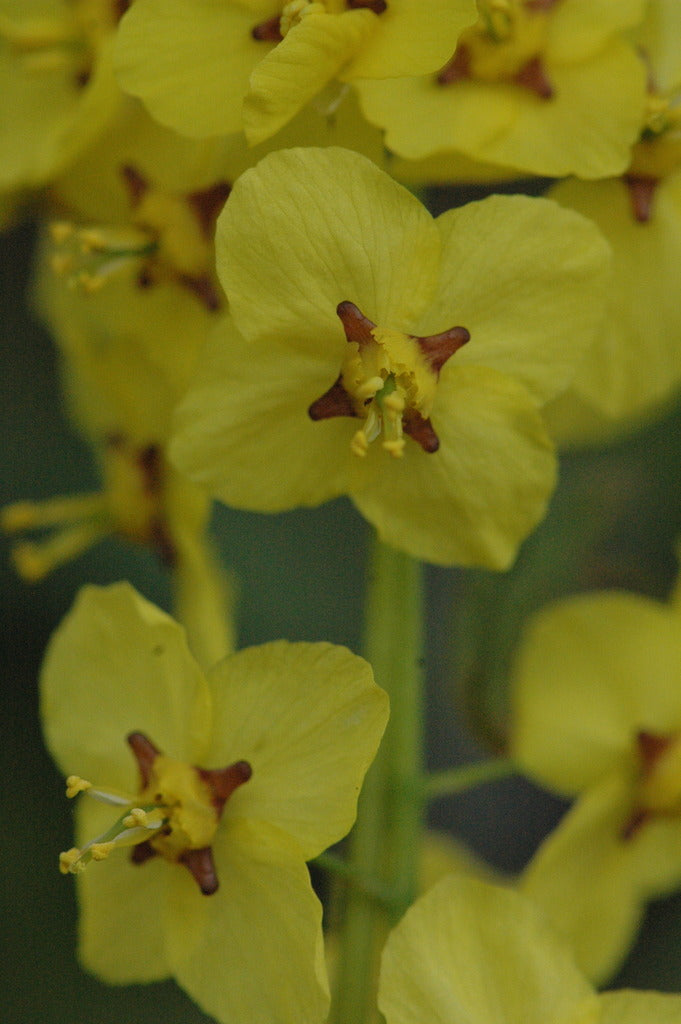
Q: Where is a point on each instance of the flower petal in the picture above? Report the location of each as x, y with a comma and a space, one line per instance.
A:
476, 954
580, 28
530, 317
252, 952
412, 41
592, 671
630, 1007
311, 746
309, 56
309, 228
480, 494
121, 924
243, 431
115, 665
189, 61
584, 879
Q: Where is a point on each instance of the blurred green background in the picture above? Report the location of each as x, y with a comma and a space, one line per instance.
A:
613, 522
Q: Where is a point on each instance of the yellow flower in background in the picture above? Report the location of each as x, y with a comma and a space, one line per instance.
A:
635, 366
56, 81
373, 351
211, 67
472, 953
238, 777
548, 87
597, 716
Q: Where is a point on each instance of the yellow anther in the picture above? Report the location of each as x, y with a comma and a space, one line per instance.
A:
69, 861
75, 785
62, 264
395, 447
100, 851
60, 230
359, 444
89, 283
138, 818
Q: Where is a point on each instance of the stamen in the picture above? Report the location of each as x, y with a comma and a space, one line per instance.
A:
533, 77
202, 868
75, 785
223, 781
642, 195
34, 515
145, 754
33, 560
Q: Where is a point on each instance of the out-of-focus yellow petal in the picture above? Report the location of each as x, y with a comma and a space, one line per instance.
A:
591, 672
475, 953
308, 718
634, 1007
117, 664
584, 879
190, 61
252, 952
580, 28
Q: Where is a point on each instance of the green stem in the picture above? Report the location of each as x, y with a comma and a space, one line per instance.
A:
457, 780
385, 842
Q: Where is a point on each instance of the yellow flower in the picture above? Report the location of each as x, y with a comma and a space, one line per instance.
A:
56, 81
550, 87
351, 310
242, 775
597, 715
471, 953
195, 62
635, 366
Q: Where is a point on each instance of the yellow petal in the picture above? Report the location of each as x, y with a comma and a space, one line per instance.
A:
634, 365
121, 923
658, 37
252, 952
410, 40
629, 1007
309, 56
529, 317
584, 878
591, 672
481, 493
323, 226
310, 751
473, 953
118, 664
189, 61
580, 28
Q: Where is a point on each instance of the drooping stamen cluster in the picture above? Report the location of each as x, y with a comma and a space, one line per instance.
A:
389, 380
131, 505
170, 237
175, 815
505, 45
658, 789
274, 29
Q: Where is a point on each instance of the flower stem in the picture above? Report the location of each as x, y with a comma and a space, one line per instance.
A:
385, 842
467, 776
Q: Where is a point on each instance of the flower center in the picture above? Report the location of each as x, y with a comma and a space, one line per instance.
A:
131, 505
389, 380
274, 29
658, 788
505, 45
657, 153
175, 815
169, 238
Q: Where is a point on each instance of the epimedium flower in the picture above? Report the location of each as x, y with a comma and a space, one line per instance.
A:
373, 351
635, 366
472, 953
597, 717
549, 87
238, 777
206, 67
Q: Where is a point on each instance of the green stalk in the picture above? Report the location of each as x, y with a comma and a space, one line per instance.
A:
385, 842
